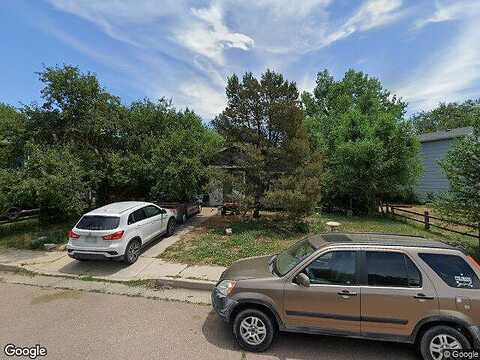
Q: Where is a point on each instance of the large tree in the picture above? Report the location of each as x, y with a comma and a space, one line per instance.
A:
264, 119
12, 132
81, 143
447, 116
79, 113
371, 152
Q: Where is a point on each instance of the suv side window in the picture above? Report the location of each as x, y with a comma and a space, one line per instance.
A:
333, 268
136, 216
452, 269
391, 269
151, 211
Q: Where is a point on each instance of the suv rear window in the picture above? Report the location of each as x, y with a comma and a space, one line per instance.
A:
95, 222
452, 269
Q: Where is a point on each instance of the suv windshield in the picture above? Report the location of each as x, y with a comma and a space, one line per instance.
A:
288, 259
93, 222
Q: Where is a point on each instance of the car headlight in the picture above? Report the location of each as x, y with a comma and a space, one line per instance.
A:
225, 287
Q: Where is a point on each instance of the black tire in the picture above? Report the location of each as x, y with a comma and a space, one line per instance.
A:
433, 334
132, 252
270, 334
171, 227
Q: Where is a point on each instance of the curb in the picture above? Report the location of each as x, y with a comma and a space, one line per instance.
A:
186, 283
166, 282
8, 267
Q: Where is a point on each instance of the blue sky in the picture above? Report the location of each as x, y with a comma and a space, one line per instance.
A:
424, 51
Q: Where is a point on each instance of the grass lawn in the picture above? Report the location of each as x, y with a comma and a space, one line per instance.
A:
22, 234
207, 244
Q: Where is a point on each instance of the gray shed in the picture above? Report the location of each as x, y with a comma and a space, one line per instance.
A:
434, 147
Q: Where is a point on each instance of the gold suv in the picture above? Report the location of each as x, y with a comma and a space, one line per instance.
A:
370, 286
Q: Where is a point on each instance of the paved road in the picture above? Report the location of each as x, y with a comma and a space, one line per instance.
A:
81, 325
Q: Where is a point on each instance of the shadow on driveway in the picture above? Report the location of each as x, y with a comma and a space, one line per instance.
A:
310, 347
106, 267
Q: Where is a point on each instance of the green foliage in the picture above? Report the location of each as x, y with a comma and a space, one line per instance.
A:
12, 132
82, 148
265, 120
54, 175
298, 193
371, 153
447, 116
462, 167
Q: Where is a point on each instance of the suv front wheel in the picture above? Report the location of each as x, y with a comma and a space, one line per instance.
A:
440, 339
254, 330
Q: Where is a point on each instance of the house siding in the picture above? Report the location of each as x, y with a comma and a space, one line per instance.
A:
434, 179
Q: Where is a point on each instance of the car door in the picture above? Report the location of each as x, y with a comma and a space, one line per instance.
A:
138, 220
155, 225
332, 301
396, 295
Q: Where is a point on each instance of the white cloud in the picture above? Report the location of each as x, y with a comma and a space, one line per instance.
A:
209, 36
449, 75
202, 98
372, 14
451, 10
185, 49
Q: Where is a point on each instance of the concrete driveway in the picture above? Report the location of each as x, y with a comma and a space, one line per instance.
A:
80, 325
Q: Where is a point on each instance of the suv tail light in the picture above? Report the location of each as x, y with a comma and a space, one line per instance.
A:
72, 235
115, 236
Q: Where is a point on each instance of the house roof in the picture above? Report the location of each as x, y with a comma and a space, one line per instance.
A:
445, 134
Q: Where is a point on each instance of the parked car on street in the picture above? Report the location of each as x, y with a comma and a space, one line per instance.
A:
182, 210
118, 231
371, 286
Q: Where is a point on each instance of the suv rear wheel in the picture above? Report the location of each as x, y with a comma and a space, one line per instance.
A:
254, 330
132, 252
439, 339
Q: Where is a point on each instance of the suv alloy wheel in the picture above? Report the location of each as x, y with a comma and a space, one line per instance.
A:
439, 339
132, 252
254, 330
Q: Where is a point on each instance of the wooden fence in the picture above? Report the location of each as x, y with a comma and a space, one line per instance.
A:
426, 220
18, 220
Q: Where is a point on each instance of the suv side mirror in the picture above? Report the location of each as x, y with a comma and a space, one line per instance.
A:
302, 280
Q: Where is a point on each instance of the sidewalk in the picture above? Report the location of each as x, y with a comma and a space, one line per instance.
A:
147, 267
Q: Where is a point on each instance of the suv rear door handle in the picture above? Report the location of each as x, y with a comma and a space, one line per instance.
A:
423, 297
347, 293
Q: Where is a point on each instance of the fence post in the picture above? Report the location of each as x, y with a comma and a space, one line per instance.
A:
426, 217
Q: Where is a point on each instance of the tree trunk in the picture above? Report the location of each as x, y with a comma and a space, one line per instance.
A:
256, 210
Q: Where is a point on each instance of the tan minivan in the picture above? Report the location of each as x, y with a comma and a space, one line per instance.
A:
371, 286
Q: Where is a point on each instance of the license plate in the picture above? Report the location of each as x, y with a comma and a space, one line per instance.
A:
90, 239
